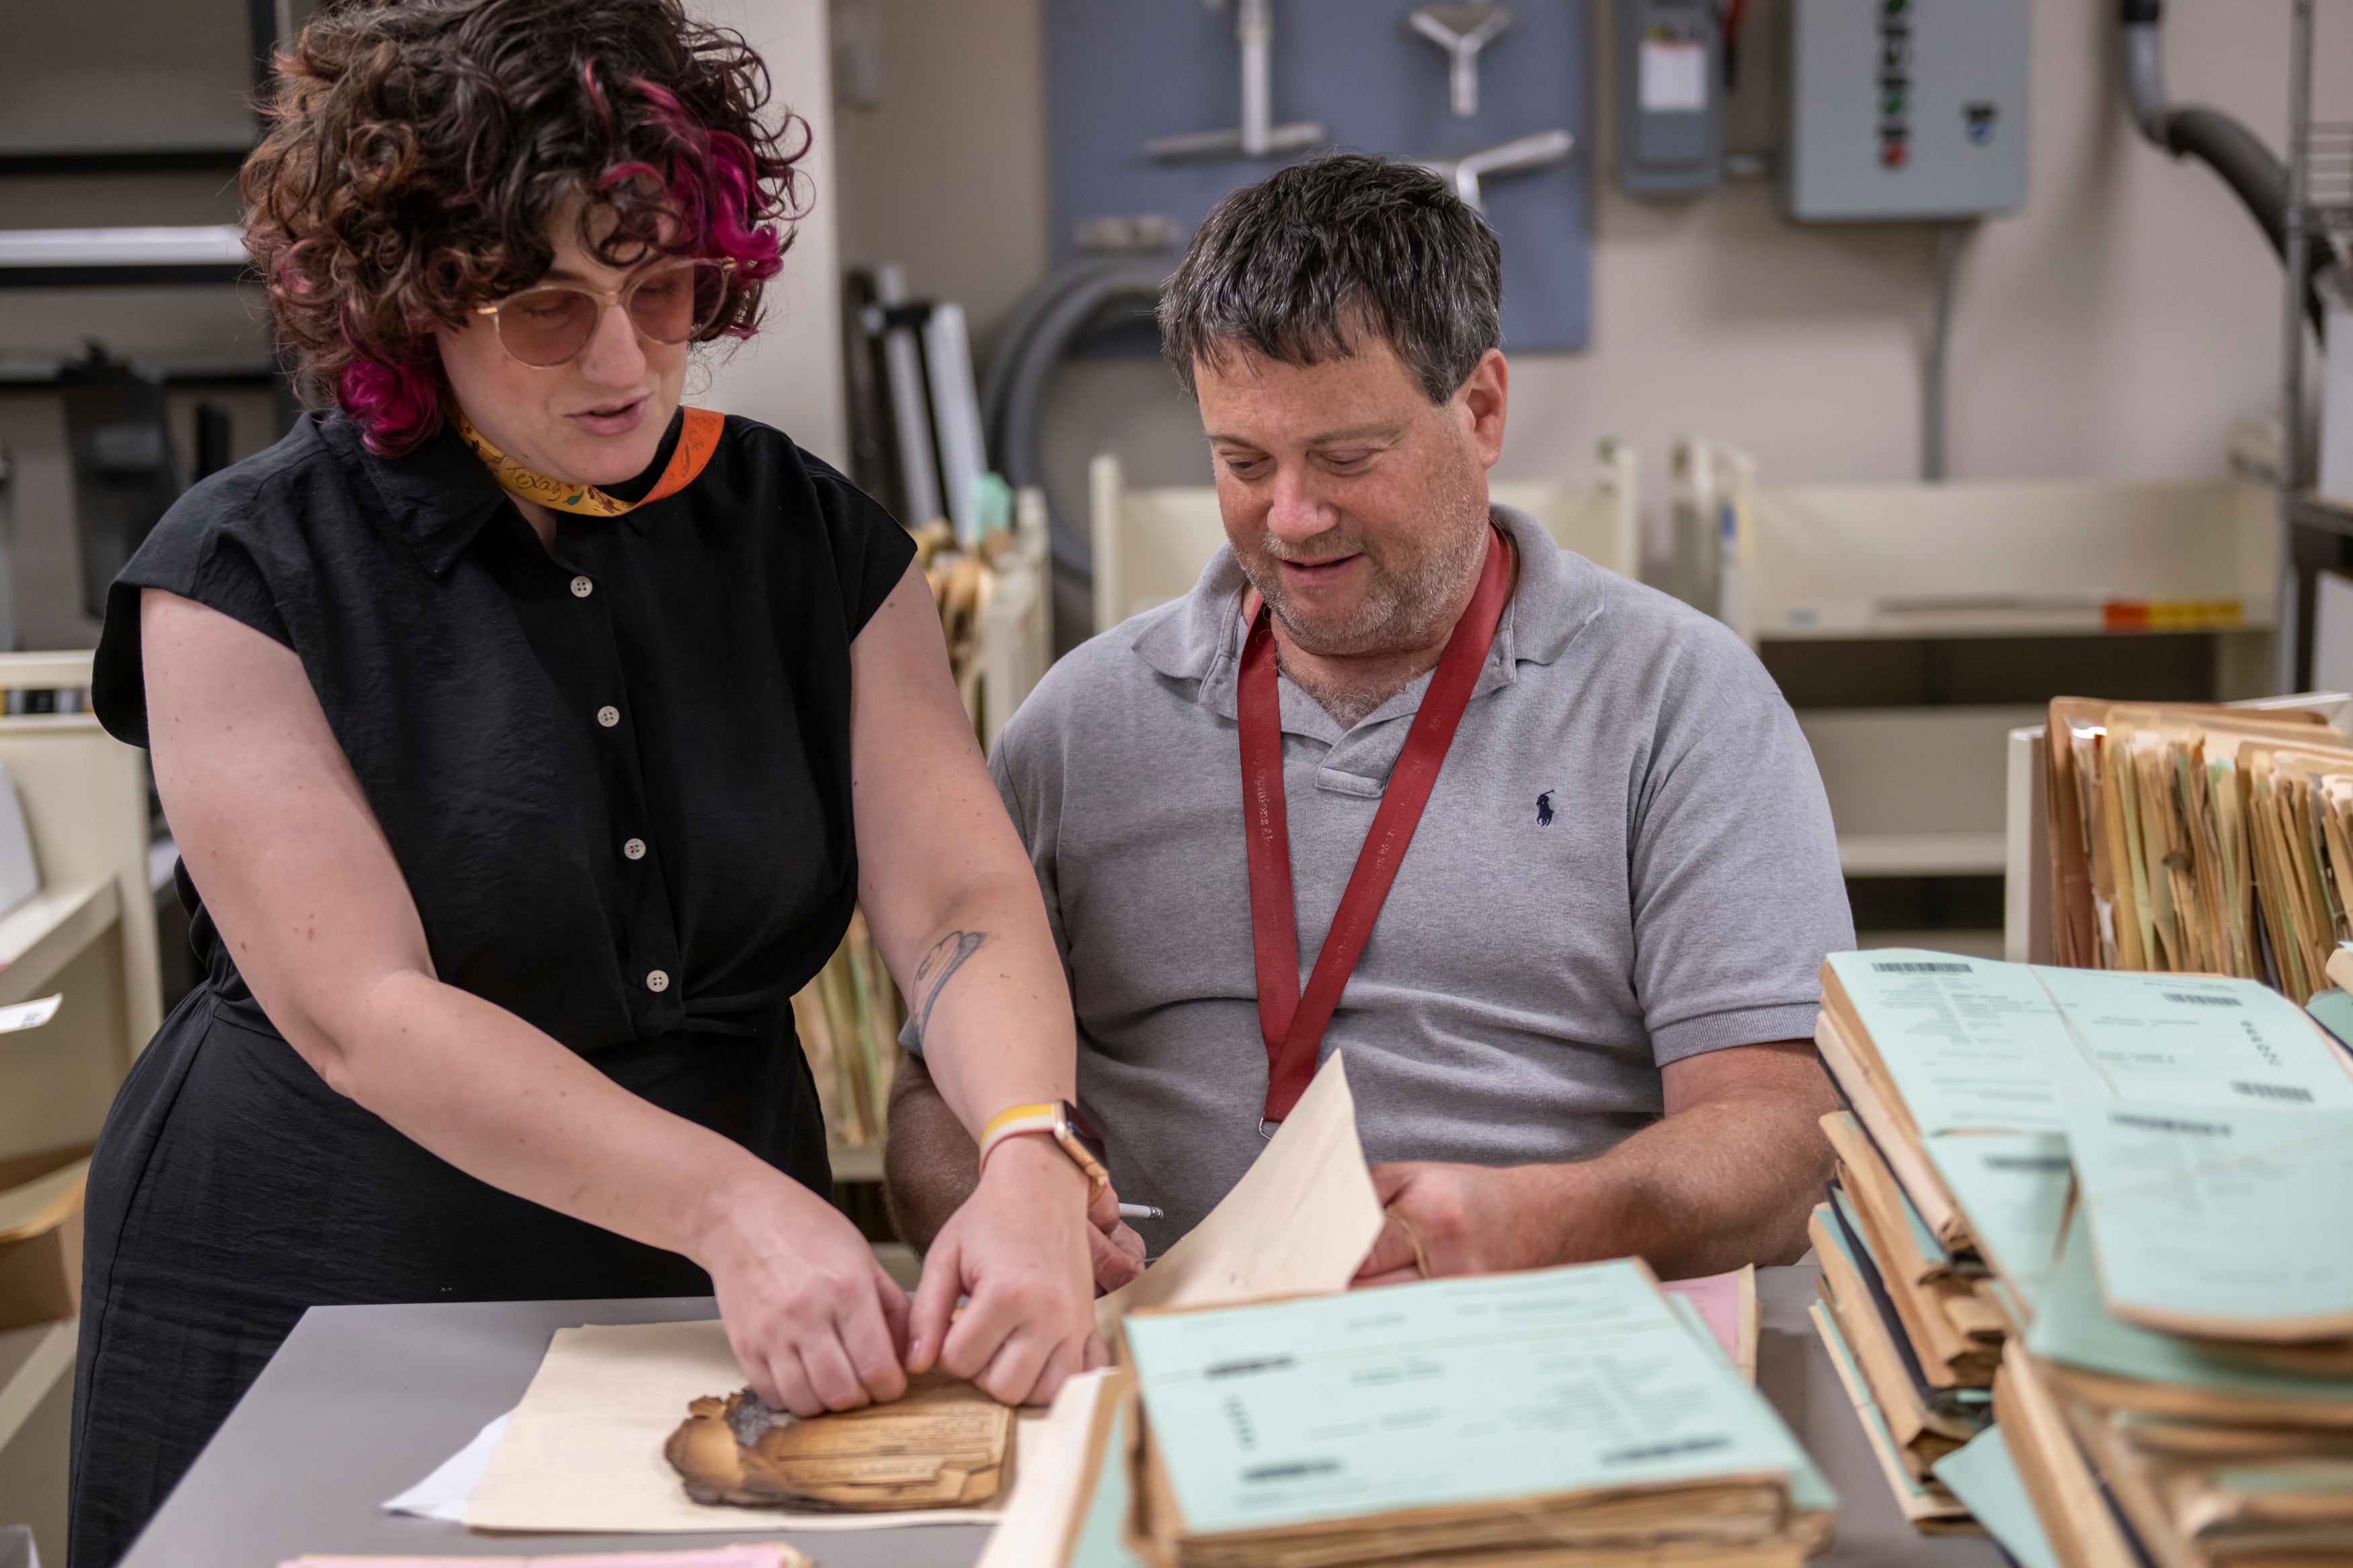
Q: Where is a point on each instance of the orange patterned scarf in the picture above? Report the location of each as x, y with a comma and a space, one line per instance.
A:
696, 441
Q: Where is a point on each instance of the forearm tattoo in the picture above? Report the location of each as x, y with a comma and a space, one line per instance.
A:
932, 975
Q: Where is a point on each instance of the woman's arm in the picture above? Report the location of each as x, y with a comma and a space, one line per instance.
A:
954, 906
303, 886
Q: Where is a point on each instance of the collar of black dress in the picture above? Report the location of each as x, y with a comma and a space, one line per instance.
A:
441, 496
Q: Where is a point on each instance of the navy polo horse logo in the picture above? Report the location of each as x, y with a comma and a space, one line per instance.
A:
1544, 809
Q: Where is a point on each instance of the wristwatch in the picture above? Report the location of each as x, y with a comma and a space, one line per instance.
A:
1059, 1120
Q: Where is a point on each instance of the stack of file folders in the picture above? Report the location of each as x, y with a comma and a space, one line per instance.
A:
2123, 1205
2199, 839
1575, 1417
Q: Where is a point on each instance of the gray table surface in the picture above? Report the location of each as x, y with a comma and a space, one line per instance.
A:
362, 1402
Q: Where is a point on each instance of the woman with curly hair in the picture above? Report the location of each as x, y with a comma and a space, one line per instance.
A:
529, 738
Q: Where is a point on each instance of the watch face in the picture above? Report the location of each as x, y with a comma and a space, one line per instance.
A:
1080, 1129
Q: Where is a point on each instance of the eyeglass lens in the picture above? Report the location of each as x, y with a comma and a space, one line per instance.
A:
548, 326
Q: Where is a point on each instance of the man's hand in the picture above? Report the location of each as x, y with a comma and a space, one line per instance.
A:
1456, 1219
1116, 1249
1725, 1177
1019, 1251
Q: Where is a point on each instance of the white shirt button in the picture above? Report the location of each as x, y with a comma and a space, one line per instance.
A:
582, 587
608, 716
658, 981
635, 848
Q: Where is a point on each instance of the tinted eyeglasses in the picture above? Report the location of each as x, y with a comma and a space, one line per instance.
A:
669, 303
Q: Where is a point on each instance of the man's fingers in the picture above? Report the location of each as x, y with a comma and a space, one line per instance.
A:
935, 1300
1391, 1179
867, 1341
1392, 1249
1097, 1354
1112, 1267
1406, 1275
1103, 1208
1127, 1241
977, 1335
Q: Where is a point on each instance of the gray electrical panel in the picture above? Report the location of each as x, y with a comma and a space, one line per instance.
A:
1669, 91
1906, 108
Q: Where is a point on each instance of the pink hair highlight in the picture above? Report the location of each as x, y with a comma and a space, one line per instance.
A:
713, 181
395, 406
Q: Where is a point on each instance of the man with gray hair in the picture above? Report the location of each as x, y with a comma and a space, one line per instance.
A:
1569, 847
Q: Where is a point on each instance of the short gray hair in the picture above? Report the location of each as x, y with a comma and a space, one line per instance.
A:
1299, 266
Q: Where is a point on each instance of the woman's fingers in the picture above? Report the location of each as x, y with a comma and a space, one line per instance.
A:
1097, 1354
1011, 1373
935, 1300
829, 1374
790, 1383
897, 1307
868, 1342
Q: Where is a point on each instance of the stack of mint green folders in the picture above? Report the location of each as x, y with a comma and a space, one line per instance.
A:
2088, 1264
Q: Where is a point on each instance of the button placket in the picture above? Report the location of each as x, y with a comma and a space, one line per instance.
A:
648, 945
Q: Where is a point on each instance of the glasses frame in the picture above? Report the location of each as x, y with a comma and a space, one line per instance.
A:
607, 299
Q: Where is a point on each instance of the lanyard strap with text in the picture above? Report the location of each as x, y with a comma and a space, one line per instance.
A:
1294, 1024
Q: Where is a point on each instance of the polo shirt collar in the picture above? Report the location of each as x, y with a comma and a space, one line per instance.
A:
1553, 601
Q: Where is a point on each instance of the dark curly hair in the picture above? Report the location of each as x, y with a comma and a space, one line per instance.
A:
417, 151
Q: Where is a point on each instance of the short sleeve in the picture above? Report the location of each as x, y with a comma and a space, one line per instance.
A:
870, 551
194, 554
1737, 896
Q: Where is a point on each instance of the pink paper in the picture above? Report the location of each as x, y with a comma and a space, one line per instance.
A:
765, 1556
1717, 1297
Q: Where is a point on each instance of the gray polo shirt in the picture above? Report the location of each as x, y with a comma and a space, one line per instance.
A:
1627, 860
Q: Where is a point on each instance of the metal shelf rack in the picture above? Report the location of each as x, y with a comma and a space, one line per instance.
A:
2319, 205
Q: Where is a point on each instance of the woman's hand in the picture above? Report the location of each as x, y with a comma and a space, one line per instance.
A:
814, 1322
1018, 1249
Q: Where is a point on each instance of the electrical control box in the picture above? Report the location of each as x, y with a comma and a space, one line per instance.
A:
1906, 108
1669, 91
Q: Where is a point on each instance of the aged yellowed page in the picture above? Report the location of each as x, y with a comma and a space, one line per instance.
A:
1297, 1224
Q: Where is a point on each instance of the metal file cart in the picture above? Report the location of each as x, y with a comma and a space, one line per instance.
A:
2320, 205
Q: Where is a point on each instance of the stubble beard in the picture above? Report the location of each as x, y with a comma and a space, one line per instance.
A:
1406, 605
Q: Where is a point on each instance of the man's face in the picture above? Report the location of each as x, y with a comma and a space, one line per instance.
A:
1355, 506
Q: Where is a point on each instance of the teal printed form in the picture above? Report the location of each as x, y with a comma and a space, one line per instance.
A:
2216, 1213
1979, 1046
1449, 1392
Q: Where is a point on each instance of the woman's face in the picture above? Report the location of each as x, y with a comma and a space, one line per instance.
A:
599, 417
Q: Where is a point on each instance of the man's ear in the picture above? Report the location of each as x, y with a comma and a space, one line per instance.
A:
1482, 398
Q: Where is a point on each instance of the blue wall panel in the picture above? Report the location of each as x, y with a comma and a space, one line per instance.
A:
1121, 73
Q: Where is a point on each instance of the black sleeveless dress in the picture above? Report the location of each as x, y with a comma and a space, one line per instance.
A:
617, 778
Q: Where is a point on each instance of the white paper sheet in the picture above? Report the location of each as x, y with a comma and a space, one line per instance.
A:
583, 1452
445, 1493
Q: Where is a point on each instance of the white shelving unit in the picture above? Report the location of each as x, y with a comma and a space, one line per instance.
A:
88, 935
1923, 791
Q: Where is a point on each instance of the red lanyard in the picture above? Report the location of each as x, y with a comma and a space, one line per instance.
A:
1293, 1024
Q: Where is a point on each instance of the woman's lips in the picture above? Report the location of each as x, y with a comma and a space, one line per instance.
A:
618, 419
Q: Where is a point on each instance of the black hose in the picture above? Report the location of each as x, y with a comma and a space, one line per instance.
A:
1080, 305
2260, 180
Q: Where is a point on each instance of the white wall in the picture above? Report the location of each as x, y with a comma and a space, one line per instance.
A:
790, 374
2115, 327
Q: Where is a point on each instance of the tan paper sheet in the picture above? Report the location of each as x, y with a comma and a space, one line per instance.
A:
1297, 1224
583, 1452
1039, 1522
